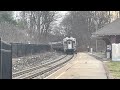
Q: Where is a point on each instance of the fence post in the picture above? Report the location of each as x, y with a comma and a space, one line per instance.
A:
0, 61
17, 49
5, 60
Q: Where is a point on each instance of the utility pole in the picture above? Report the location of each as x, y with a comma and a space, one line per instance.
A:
96, 27
96, 39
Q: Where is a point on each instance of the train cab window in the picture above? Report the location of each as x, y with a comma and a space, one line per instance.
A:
69, 42
73, 41
65, 42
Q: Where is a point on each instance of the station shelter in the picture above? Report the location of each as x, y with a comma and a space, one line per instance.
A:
110, 33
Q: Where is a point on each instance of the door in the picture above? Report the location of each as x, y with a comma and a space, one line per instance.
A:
69, 45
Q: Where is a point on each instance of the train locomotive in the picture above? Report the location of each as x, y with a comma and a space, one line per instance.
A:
68, 45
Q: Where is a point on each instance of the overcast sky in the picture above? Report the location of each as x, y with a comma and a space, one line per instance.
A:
16, 13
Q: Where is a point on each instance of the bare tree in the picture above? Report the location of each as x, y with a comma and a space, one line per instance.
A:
39, 23
81, 24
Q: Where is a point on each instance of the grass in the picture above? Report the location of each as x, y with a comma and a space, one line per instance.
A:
114, 68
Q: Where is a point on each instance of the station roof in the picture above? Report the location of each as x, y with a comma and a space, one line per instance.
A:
110, 29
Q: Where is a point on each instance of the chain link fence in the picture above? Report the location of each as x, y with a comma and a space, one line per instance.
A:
21, 49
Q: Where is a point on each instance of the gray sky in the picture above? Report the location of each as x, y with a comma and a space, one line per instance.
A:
16, 13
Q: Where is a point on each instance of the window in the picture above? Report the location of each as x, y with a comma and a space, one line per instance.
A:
69, 42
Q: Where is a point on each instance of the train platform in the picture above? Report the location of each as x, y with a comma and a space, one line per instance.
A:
82, 66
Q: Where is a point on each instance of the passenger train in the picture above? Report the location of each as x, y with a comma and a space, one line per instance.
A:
68, 45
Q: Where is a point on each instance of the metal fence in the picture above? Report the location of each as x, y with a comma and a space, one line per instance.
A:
9, 51
21, 49
5, 60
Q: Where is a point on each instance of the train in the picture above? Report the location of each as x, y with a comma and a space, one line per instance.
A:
67, 45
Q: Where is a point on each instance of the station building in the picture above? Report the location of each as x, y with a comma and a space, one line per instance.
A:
110, 33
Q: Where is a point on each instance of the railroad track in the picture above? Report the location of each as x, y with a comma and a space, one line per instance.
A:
42, 69
24, 63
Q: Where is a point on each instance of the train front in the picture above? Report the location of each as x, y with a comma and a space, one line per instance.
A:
69, 44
